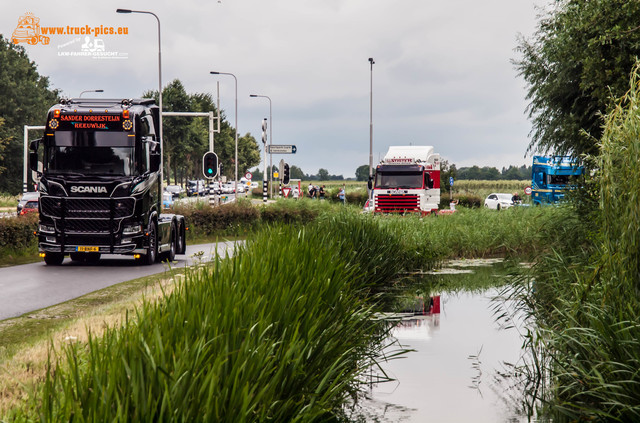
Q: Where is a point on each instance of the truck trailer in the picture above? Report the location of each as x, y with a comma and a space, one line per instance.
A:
552, 176
407, 181
100, 183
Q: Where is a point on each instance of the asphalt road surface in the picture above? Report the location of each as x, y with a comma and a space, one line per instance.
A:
30, 287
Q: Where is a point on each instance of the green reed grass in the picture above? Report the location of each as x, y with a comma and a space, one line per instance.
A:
584, 297
279, 332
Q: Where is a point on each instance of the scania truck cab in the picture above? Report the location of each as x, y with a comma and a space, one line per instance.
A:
100, 183
407, 181
552, 177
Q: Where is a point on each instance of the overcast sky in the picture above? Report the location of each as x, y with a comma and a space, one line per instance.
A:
442, 75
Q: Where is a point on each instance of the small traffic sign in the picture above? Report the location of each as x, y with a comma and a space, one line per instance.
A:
281, 149
286, 191
248, 175
276, 174
527, 190
451, 180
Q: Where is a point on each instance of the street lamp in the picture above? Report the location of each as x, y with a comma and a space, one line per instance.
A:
270, 143
159, 83
371, 122
236, 80
90, 91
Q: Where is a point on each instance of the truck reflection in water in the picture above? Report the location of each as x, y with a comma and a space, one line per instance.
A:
450, 374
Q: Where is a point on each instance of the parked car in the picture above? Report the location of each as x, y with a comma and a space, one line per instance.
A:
26, 197
215, 188
196, 188
167, 199
498, 201
228, 188
368, 206
30, 207
174, 190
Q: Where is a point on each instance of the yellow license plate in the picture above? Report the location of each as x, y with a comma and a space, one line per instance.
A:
88, 249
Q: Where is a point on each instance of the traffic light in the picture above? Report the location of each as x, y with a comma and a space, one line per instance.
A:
264, 130
285, 175
210, 164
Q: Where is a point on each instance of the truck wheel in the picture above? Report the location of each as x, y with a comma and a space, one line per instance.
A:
54, 259
152, 249
171, 254
180, 239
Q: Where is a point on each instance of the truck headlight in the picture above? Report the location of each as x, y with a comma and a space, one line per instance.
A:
46, 228
131, 229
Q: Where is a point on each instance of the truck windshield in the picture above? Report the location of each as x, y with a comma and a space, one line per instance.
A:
388, 180
91, 153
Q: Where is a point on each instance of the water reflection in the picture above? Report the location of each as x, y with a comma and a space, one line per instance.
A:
453, 374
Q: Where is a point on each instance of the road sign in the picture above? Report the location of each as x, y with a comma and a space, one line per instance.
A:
248, 175
286, 191
451, 180
527, 190
281, 149
275, 175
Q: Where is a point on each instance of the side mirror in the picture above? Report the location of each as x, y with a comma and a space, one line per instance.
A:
154, 162
370, 183
33, 145
33, 161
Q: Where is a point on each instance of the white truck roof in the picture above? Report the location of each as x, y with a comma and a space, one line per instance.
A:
411, 154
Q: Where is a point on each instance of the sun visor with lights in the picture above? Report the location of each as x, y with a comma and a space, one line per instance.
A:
90, 121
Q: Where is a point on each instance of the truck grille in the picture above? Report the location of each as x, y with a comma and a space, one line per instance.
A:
87, 208
397, 203
87, 215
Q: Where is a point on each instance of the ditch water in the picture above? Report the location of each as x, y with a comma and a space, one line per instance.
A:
454, 374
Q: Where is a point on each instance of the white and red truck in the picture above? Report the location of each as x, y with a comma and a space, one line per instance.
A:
407, 181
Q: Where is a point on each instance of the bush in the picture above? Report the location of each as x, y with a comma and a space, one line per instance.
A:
225, 219
17, 232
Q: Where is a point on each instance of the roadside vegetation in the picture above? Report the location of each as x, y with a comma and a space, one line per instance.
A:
583, 296
282, 330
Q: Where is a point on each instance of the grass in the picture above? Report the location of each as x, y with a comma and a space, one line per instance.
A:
9, 201
282, 331
584, 294
483, 188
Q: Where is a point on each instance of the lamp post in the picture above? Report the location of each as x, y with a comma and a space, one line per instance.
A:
236, 172
159, 84
371, 123
90, 91
270, 143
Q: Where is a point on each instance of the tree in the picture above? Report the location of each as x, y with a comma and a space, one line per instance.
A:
577, 62
295, 172
25, 99
187, 139
362, 173
323, 174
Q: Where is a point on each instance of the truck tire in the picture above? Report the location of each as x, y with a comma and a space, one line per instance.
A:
152, 250
181, 242
171, 254
54, 259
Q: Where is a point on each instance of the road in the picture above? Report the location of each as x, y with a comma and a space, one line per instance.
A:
30, 287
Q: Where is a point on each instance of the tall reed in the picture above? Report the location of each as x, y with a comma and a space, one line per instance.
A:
585, 298
281, 331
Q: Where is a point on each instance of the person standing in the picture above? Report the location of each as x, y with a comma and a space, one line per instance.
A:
341, 195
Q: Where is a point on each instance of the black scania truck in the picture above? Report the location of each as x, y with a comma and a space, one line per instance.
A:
100, 183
